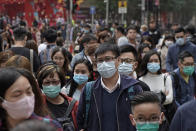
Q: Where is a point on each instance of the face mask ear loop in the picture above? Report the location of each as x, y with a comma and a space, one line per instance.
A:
1, 99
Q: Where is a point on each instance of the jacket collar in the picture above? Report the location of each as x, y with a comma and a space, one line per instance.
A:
126, 81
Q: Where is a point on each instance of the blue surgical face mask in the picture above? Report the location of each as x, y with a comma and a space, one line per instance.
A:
86, 31
147, 126
125, 68
80, 79
153, 67
52, 91
106, 69
180, 41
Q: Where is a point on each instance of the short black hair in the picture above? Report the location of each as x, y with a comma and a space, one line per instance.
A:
23, 23
120, 29
103, 28
183, 55
105, 47
132, 27
20, 33
145, 97
190, 29
87, 26
128, 48
147, 38
87, 38
179, 29
50, 35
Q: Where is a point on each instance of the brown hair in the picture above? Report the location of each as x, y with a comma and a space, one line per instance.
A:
59, 41
64, 52
31, 44
103, 36
5, 55
49, 69
19, 62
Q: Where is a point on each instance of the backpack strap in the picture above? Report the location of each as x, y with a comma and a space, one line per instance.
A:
176, 80
176, 83
70, 107
89, 87
44, 58
164, 79
31, 59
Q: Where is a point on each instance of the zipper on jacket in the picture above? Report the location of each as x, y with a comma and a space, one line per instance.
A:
117, 111
97, 111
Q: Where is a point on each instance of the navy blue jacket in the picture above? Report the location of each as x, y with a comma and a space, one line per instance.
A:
185, 118
185, 92
123, 107
173, 53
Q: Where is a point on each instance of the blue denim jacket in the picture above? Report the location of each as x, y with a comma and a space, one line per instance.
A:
173, 53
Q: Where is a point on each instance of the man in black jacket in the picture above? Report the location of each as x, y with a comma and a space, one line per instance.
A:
20, 37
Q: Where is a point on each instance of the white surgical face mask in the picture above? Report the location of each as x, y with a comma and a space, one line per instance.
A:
168, 43
106, 69
180, 41
125, 68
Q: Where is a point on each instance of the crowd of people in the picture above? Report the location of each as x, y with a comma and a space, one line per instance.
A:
139, 78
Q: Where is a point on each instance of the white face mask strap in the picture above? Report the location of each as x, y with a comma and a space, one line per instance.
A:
1, 99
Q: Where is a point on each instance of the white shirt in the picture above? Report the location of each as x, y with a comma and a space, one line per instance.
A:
156, 84
42, 47
76, 95
114, 88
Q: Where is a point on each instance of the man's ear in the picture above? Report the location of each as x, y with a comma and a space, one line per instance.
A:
25, 39
161, 118
135, 65
179, 64
117, 61
132, 119
1, 101
85, 44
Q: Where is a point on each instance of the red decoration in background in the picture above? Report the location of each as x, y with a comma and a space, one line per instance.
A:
43, 7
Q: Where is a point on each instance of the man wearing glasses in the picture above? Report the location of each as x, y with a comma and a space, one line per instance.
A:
128, 64
184, 79
111, 93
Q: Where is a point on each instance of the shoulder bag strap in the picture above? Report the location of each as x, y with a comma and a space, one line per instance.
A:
70, 107
31, 59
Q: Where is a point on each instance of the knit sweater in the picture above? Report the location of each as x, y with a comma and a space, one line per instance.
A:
156, 84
